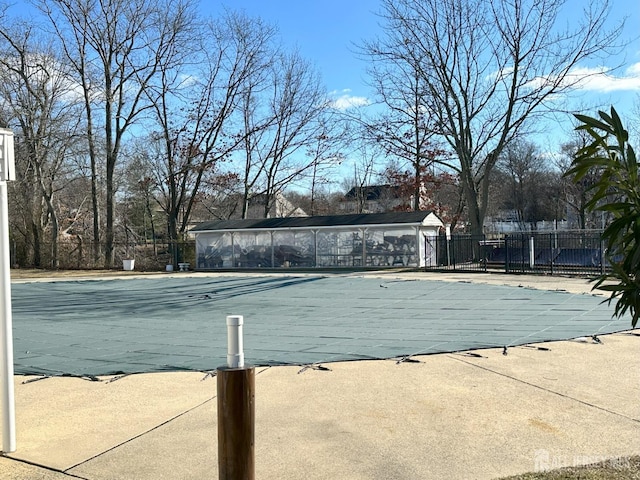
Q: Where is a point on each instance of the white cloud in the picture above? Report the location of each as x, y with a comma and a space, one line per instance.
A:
343, 100
188, 80
599, 79
498, 75
634, 70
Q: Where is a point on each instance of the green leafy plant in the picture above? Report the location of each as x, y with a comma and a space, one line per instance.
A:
617, 193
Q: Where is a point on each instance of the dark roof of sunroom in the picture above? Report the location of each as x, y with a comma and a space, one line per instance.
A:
388, 218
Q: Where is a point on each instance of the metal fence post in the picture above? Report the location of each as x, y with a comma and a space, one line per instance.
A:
552, 250
522, 244
506, 253
236, 409
484, 252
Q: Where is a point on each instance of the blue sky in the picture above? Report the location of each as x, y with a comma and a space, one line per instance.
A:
325, 31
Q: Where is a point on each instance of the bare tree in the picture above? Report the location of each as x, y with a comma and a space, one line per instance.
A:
531, 187
326, 153
403, 130
193, 113
115, 47
37, 93
140, 190
282, 117
356, 186
578, 192
488, 70
219, 197
634, 121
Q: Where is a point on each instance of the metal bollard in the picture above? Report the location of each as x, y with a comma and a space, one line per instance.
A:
236, 409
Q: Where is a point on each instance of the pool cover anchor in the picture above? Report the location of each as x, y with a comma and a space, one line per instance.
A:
407, 359
211, 373
314, 366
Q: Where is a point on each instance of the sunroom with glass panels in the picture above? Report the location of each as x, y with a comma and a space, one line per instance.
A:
395, 239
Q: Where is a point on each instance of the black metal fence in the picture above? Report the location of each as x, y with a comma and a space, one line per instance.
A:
567, 252
76, 255
460, 252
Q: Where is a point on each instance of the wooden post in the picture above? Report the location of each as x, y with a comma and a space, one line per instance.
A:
236, 423
236, 409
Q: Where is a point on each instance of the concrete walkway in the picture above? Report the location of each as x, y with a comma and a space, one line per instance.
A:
472, 415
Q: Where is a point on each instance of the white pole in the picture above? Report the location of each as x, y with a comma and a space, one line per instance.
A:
6, 331
448, 235
235, 353
7, 403
532, 253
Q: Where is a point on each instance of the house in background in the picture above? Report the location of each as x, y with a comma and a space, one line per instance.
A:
372, 199
280, 207
230, 207
384, 198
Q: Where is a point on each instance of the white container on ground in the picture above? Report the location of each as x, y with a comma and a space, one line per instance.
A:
128, 265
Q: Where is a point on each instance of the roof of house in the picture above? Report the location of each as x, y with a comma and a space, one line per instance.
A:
390, 218
373, 192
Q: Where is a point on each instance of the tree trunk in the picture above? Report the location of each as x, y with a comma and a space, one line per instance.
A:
173, 235
109, 201
37, 252
153, 225
416, 189
475, 212
55, 261
110, 166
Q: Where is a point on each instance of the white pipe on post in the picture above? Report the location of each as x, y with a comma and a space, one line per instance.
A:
6, 332
235, 353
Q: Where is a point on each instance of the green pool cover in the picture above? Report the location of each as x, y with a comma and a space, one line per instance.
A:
102, 327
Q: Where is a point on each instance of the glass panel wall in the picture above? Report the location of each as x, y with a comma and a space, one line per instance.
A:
255, 249
215, 250
294, 248
392, 248
339, 248
383, 247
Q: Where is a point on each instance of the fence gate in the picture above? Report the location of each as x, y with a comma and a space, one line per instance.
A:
517, 255
457, 253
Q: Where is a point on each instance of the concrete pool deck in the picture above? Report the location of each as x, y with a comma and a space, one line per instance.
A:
477, 414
